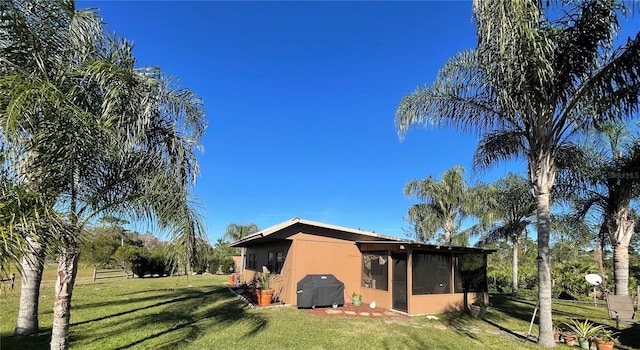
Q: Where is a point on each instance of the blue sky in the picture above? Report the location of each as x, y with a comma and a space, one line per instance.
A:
300, 100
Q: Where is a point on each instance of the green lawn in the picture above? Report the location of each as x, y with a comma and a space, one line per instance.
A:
198, 312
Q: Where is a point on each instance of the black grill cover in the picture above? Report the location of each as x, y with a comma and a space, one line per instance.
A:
320, 290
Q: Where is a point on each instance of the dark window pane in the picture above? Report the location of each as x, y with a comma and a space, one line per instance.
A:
375, 270
252, 261
431, 273
471, 273
271, 262
279, 262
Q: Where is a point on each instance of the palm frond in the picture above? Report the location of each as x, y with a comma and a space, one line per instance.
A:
594, 24
500, 145
459, 97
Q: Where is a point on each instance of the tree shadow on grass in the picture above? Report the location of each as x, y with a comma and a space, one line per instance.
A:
167, 293
630, 337
38, 341
189, 295
523, 309
178, 321
183, 318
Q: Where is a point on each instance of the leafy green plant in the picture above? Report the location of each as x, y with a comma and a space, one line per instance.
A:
585, 330
480, 303
266, 279
356, 296
606, 335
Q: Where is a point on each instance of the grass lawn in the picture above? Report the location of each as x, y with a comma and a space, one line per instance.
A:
199, 312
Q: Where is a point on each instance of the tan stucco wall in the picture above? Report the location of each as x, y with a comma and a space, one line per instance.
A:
437, 303
323, 255
311, 254
381, 297
237, 262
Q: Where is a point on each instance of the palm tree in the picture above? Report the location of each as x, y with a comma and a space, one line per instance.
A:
30, 53
103, 136
605, 182
22, 214
508, 216
236, 232
443, 205
533, 83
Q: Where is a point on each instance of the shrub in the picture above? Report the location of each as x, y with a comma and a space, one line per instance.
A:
124, 255
222, 266
140, 264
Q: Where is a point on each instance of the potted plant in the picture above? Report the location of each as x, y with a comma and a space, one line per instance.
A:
569, 338
367, 281
605, 339
356, 299
584, 331
264, 291
557, 332
234, 279
478, 308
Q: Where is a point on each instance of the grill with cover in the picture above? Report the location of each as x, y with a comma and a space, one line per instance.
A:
320, 290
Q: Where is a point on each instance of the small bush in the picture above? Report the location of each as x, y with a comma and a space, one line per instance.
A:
145, 264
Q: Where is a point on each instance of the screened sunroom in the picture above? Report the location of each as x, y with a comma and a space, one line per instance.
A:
419, 278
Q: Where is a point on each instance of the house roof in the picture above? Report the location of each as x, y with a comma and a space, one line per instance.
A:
272, 233
431, 247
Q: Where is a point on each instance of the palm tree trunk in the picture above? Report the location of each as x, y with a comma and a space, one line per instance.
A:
598, 251
448, 231
67, 271
621, 227
514, 267
32, 266
545, 337
621, 268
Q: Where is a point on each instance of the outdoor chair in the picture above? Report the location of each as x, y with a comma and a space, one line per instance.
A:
621, 309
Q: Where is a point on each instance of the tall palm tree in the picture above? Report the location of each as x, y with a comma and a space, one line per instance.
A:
606, 182
22, 215
533, 82
508, 216
443, 205
236, 232
103, 136
30, 55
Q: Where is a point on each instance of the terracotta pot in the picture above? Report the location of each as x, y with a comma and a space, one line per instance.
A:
569, 339
265, 296
604, 345
234, 279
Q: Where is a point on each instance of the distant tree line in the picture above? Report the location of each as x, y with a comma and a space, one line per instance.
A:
146, 254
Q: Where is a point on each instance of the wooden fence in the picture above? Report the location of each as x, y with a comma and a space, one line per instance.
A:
110, 273
11, 280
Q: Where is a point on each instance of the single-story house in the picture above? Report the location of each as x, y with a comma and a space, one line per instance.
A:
402, 275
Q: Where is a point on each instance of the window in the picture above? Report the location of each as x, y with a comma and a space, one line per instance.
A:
275, 261
375, 270
252, 261
471, 273
279, 262
431, 273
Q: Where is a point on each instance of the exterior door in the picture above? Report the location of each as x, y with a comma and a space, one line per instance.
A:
399, 282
